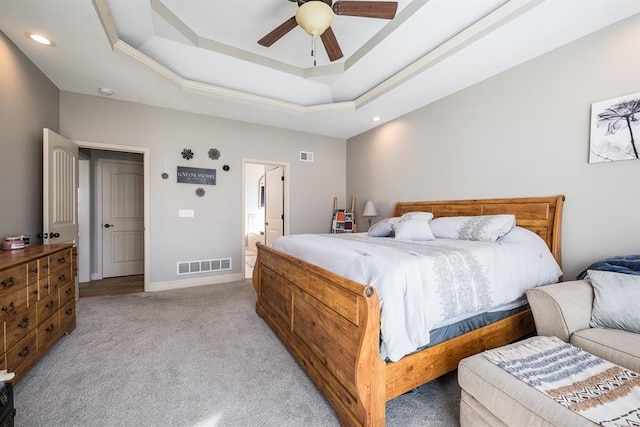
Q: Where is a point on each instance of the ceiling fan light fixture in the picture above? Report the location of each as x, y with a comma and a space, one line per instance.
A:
314, 17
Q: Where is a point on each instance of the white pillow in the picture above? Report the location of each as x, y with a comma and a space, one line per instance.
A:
414, 226
483, 227
615, 300
383, 228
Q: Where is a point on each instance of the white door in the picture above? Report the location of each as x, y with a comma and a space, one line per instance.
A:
122, 219
59, 188
274, 205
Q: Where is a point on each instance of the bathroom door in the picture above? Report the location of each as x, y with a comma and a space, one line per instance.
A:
274, 205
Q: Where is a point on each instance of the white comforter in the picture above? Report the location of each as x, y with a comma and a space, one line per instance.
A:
422, 284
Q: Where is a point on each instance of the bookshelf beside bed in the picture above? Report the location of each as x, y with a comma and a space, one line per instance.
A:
331, 324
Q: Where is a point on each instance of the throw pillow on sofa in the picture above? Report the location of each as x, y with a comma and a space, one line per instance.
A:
615, 303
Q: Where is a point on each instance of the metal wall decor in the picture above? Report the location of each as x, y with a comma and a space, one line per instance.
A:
164, 175
226, 168
187, 154
214, 154
200, 192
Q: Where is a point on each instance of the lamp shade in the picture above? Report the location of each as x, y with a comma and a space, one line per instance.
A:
314, 17
369, 209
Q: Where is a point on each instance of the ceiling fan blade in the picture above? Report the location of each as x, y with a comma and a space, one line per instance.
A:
366, 9
331, 45
280, 31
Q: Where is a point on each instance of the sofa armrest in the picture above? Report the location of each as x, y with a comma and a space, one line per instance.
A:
562, 308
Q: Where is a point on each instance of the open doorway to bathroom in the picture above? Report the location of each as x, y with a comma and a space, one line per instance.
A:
265, 207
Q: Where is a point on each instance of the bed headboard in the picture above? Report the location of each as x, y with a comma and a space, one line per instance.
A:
542, 215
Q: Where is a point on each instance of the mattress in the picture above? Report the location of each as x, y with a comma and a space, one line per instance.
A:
426, 285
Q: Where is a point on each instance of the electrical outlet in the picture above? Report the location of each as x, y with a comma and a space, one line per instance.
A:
186, 213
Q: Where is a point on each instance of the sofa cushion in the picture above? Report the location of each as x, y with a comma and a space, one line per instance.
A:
615, 303
508, 399
614, 345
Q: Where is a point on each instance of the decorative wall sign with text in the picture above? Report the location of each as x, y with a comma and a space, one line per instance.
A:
196, 175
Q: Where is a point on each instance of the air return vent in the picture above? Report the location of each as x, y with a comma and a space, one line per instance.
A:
306, 156
204, 266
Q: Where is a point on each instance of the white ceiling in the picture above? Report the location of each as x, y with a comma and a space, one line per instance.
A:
202, 56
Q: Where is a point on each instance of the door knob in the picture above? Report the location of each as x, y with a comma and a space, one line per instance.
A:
108, 225
54, 235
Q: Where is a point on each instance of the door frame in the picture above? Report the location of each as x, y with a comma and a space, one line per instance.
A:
286, 198
147, 210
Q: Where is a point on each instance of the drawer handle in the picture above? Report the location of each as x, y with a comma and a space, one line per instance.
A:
35, 292
62, 278
11, 307
69, 291
69, 312
46, 266
62, 260
24, 323
9, 283
50, 328
46, 286
50, 304
35, 270
24, 352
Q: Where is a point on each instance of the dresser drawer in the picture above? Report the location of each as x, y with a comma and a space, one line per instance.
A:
60, 277
13, 278
22, 353
19, 326
68, 317
60, 260
32, 294
48, 332
67, 292
47, 306
32, 272
44, 288
43, 267
12, 302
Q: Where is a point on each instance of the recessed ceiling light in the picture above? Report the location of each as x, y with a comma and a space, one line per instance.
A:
375, 119
105, 91
40, 39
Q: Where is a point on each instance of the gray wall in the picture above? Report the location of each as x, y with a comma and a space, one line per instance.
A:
28, 103
522, 133
216, 230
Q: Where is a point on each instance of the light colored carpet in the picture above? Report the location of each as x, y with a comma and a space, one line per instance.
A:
190, 357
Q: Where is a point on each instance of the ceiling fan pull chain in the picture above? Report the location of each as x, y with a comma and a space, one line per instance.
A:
313, 49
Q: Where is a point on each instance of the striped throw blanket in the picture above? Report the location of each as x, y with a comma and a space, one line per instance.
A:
600, 391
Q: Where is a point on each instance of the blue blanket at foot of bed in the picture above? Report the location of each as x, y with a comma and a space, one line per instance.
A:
629, 264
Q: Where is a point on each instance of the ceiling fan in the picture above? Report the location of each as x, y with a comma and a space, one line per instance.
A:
316, 17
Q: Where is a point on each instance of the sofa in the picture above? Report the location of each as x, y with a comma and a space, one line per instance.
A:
492, 397
564, 310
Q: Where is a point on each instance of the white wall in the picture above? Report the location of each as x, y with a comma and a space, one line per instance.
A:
216, 230
522, 133
28, 103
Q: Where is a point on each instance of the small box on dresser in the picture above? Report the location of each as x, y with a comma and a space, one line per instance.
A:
37, 303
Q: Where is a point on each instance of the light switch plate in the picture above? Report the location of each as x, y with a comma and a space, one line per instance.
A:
186, 213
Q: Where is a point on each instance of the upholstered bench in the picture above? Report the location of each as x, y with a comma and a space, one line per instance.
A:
493, 397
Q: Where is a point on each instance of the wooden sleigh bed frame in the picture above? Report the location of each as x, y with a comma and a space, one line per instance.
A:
331, 324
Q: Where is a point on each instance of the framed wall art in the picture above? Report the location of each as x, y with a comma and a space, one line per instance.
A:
615, 134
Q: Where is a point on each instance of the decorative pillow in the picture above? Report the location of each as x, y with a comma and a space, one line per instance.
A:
615, 303
484, 227
414, 226
383, 228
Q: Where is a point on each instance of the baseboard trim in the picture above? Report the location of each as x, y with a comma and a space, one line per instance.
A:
96, 276
189, 283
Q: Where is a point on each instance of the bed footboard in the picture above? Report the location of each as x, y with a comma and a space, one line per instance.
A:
331, 325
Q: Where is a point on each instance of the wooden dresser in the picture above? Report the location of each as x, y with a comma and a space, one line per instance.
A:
37, 303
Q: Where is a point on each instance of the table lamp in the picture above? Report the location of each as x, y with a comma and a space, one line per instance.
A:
369, 211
